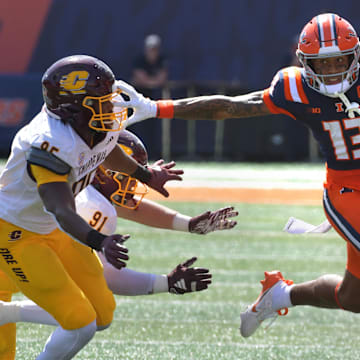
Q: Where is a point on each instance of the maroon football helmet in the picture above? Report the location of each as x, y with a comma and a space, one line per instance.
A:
120, 188
79, 88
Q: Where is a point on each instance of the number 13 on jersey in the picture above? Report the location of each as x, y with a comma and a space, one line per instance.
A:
338, 141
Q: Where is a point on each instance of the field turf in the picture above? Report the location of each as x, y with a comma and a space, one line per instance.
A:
205, 325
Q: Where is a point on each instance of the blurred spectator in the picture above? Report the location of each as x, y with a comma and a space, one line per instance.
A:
149, 76
150, 69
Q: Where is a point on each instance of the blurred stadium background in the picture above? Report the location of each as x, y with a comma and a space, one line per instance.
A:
212, 46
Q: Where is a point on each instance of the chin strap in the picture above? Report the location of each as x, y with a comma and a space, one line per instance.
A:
351, 108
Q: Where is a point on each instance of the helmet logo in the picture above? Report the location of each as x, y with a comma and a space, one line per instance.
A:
352, 32
302, 37
74, 82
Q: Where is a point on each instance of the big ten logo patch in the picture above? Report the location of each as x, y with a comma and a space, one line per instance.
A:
74, 82
10, 260
316, 110
12, 111
15, 235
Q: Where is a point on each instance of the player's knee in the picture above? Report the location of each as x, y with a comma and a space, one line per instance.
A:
106, 313
350, 305
102, 327
77, 316
349, 302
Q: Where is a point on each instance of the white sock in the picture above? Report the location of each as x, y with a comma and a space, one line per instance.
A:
65, 344
281, 296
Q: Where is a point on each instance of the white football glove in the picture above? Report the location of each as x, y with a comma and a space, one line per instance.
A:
144, 108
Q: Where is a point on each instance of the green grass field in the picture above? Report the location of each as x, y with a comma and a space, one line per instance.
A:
205, 325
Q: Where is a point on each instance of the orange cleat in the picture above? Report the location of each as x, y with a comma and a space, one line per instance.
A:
262, 308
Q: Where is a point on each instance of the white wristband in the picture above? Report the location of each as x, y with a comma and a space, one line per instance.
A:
181, 222
160, 284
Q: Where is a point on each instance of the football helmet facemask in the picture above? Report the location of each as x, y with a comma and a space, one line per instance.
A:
329, 35
120, 188
80, 88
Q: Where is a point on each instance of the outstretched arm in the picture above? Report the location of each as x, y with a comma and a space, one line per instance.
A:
213, 107
153, 214
149, 213
218, 107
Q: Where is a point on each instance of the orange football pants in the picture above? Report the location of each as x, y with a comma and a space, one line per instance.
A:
341, 205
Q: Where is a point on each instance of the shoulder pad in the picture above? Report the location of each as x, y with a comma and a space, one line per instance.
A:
47, 160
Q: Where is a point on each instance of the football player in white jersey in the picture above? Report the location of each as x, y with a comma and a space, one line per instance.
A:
118, 195
52, 159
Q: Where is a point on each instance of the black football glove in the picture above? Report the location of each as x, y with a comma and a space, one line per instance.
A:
213, 220
114, 250
162, 173
184, 279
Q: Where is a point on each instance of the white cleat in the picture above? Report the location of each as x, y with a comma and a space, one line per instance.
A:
262, 309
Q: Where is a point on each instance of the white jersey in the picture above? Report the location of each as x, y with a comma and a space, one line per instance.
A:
96, 210
20, 202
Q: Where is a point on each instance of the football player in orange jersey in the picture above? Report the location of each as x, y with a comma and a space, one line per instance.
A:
324, 95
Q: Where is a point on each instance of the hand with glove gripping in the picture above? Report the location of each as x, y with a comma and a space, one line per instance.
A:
114, 250
144, 108
213, 220
184, 279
